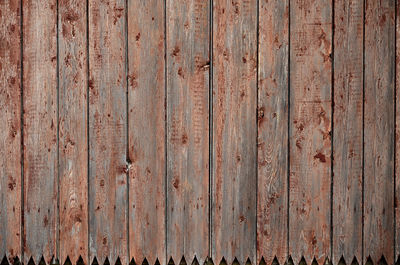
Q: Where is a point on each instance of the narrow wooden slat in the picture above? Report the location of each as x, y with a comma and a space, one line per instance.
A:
10, 133
107, 132
188, 44
234, 173
310, 130
73, 155
379, 130
40, 129
397, 169
347, 137
272, 143
146, 130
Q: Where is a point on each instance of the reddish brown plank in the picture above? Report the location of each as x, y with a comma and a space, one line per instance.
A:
10, 134
310, 130
379, 130
146, 131
272, 218
234, 173
73, 155
40, 129
107, 132
348, 126
188, 44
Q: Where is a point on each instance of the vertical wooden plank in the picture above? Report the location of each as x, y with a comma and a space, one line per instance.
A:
73, 155
272, 142
187, 39
397, 136
40, 129
348, 126
310, 129
234, 173
146, 130
10, 134
107, 132
379, 130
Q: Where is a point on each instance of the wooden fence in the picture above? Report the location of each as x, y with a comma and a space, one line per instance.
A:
247, 129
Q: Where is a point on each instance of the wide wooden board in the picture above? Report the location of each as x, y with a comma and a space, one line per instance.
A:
379, 130
10, 133
73, 141
310, 130
108, 198
146, 91
273, 104
188, 42
40, 130
348, 130
234, 153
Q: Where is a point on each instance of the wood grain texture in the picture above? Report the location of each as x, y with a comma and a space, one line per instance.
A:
273, 97
146, 93
234, 173
73, 156
40, 129
107, 132
310, 130
348, 130
379, 130
188, 37
10, 133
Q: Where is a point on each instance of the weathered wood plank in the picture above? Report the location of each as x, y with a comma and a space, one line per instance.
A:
107, 132
272, 217
40, 129
188, 41
379, 129
73, 156
146, 131
234, 173
347, 133
10, 133
310, 129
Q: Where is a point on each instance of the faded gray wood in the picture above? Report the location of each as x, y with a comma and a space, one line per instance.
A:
108, 186
310, 130
146, 114
40, 129
10, 133
272, 217
234, 172
379, 130
348, 125
188, 37
73, 153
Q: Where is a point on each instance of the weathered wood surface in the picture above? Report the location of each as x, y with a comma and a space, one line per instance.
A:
273, 103
10, 133
146, 92
120, 105
188, 42
379, 130
347, 130
310, 130
40, 130
234, 154
73, 152
108, 186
